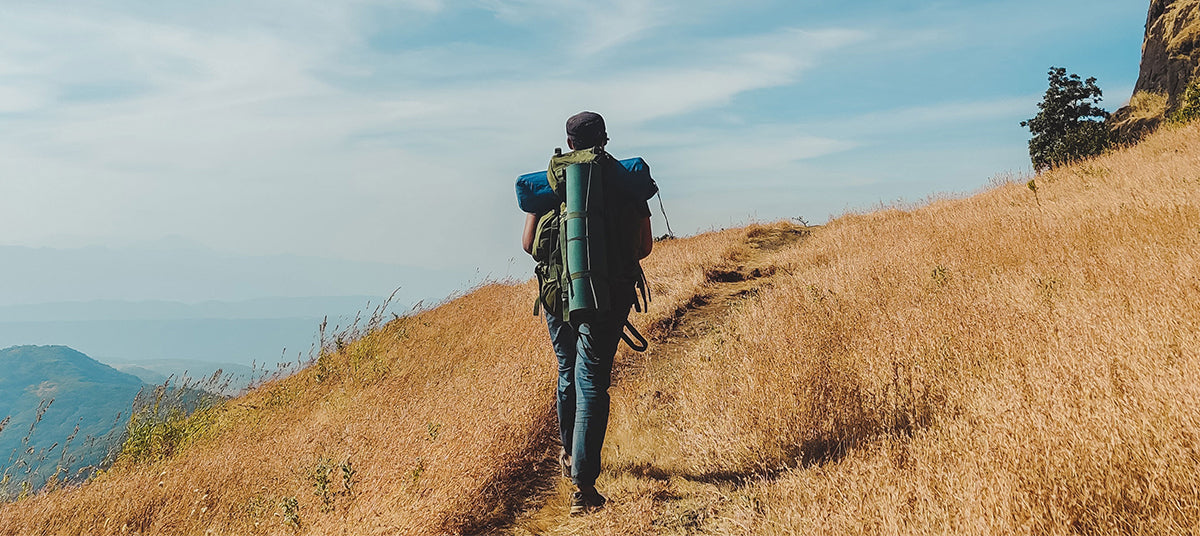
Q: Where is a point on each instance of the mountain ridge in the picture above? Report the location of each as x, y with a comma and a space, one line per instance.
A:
198, 275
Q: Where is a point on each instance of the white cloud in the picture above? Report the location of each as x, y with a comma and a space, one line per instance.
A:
711, 75
233, 134
916, 118
586, 28
760, 150
22, 97
382, 130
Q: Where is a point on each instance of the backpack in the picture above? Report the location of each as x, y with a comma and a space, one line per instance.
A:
575, 275
549, 269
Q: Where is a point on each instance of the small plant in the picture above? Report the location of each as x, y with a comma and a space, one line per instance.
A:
415, 474
432, 429
348, 478
26, 491
324, 370
291, 512
322, 477
319, 477
940, 275
1033, 187
1189, 105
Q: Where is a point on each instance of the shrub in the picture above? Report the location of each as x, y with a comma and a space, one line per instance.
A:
167, 423
1189, 105
1147, 105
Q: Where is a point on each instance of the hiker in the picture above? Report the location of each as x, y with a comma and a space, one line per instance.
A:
586, 346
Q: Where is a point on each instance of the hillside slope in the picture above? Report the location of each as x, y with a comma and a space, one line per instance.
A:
430, 424
1021, 361
1024, 361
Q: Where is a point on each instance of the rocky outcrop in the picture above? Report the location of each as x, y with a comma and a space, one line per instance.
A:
1170, 59
1171, 50
1141, 116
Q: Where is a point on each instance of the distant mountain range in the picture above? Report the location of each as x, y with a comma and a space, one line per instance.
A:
191, 273
240, 341
238, 333
45, 392
258, 308
218, 378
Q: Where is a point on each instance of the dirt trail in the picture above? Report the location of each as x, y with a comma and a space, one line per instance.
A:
643, 486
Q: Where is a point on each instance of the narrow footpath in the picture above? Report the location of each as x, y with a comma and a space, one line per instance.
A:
647, 493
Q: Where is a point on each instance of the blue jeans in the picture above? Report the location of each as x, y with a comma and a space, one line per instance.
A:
585, 359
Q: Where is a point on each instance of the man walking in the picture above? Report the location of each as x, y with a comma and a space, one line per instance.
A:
585, 348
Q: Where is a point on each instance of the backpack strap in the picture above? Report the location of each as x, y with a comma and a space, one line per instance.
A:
641, 289
641, 344
537, 302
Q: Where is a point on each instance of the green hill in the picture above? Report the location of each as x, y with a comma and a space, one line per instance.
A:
46, 391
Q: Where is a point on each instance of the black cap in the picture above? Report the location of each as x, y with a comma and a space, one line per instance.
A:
586, 129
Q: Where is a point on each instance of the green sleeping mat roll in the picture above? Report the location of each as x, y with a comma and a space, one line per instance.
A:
583, 236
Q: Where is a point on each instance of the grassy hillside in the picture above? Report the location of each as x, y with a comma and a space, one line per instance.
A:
1017, 362
1021, 361
430, 424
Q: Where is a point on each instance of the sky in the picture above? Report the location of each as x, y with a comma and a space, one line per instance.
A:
391, 132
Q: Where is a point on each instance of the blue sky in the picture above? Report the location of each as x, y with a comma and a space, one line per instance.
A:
391, 132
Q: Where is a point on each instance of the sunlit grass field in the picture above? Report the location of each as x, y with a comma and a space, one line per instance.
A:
1023, 361
424, 426
1020, 361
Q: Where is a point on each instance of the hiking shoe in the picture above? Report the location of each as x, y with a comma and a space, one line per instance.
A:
583, 502
564, 462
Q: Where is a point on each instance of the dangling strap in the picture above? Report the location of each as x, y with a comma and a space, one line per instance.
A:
670, 233
641, 288
645, 286
537, 302
641, 344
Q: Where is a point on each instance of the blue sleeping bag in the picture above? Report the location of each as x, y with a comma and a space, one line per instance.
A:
632, 180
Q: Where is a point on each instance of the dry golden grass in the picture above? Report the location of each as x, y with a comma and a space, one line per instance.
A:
437, 419
397, 406
1017, 362
1002, 364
